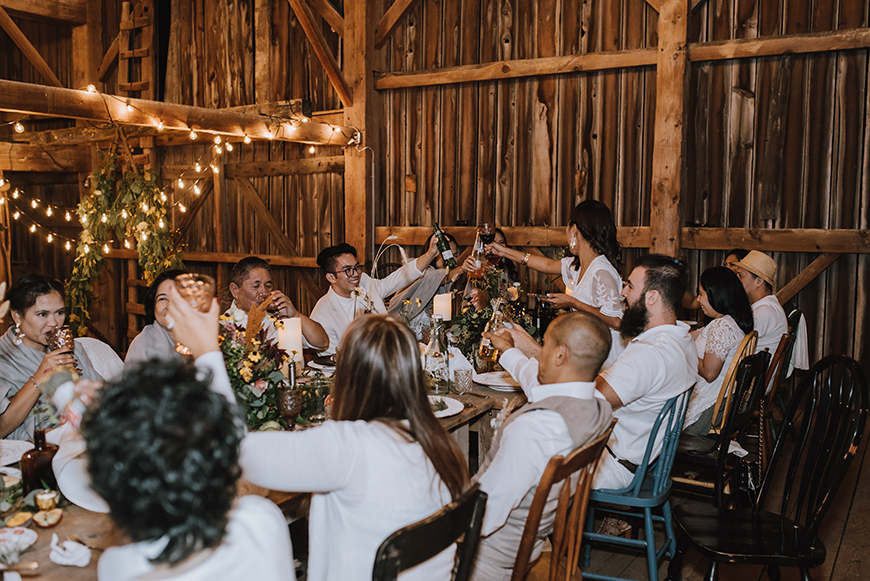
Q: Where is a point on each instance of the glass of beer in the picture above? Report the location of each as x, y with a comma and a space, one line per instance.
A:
198, 291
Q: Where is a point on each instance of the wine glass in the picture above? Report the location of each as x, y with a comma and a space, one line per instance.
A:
198, 291
487, 236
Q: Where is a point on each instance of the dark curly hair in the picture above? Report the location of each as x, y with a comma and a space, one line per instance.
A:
24, 291
595, 223
164, 453
151, 295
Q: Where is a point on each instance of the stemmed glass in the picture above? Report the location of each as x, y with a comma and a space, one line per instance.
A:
198, 291
487, 236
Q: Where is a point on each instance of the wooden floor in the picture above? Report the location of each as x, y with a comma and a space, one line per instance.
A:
845, 532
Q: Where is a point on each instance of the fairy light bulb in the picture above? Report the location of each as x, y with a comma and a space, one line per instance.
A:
15, 194
126, 243
160, 126
144, 236
197, 167
33, 203
2, 201
49, 238
193, 135
181, 183
104, 219
144, 207
67, 245
270, 134
129, 108
217, 140
311, 149
49, 211
106, 248
214, 168
182, 208
92, 89
247, 140
16, 215
84, 219
196, 189
2, 182
229, 146
160, 223
19, 128
67, 216
87, 248
218, 150
124, 214
32, 228
162, 197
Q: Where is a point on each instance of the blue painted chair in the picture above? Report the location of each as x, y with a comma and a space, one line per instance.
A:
649, 490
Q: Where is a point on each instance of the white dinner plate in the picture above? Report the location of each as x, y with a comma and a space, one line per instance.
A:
454, 406
497, 380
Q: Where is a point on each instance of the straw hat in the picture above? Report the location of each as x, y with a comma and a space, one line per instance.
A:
760, 264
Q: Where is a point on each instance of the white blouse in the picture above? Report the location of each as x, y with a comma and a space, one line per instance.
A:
720, 337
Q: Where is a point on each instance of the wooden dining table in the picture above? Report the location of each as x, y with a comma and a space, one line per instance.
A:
98, 530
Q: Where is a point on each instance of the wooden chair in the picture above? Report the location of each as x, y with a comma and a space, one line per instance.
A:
723, 402
821, 433
772, 382
420, 541
711, 453
649, 489
570, 511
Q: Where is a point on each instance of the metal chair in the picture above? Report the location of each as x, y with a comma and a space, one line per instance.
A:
422, 540
711, 453
821, 433
570, 511
649, 489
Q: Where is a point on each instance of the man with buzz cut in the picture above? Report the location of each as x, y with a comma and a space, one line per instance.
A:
351, 291
564, 413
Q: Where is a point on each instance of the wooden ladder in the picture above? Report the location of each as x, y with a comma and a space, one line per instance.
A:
137, 27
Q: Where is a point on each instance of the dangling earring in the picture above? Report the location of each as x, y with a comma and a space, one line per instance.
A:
19, 335
573, 243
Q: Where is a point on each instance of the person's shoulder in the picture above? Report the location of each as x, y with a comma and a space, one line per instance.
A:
256, 507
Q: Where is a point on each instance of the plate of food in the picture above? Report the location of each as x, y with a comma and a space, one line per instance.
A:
497, 380
444, 407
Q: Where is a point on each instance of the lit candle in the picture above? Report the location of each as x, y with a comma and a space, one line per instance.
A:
443, 305
290, 338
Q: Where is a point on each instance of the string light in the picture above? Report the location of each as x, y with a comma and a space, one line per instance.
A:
32, 228
144, 207
144, 236
33, 203
196, 189
16, 215
87, 248
162, 197
229, 146
84, 220
214, 168
92, 89
126, 243
193, 135
15, 194
182, 208
67, 245
218, 150
19, 128
104, 219
247, 140
160, 126
270, 134
161, 223
124, 214
48, 211
106, 248
181, 183
49, 238
198, 168
67, 216
2, 201
311, 149
217, 139
129, 108
2, 182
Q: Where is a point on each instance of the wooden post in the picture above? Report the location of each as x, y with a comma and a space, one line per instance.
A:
359, 52
665, 216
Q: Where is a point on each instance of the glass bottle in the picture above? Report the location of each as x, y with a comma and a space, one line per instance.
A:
444, 247
478, 258
36, 469
437, 357
487, 352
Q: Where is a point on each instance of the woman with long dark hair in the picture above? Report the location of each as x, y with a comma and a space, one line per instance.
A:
592, 273
385, 462
154, 340
723, 300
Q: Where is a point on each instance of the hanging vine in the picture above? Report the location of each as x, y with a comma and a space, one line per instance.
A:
129, 207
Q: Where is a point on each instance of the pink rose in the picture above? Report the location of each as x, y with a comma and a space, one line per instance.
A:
258, 387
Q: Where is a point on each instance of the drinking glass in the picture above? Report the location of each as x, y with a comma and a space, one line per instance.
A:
487, 233
462, 381
61, 338
198, 291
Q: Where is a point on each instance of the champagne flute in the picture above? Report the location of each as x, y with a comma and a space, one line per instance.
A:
198, 291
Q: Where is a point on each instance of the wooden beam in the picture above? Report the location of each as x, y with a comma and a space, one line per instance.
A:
60, 11
629, 237
227, 258
667, 162
597, 61
654, 4
30, 52
359, 187
41, 100
806, 276
321, 49
391, 19
192, 211
110, 59
331, 164
330, 15
858, 38
21, 157
263, 51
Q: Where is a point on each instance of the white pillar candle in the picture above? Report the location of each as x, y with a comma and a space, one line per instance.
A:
443, 305
290, 338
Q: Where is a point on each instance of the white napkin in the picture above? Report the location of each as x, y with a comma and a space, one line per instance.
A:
736, 449
72, 553
457, 361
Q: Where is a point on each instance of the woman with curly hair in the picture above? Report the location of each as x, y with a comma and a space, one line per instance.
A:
385, 462
592, 273
163, 459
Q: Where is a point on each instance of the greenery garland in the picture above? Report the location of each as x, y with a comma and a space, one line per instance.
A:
127, 207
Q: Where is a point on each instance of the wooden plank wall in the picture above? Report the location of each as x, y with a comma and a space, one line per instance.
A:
777, 142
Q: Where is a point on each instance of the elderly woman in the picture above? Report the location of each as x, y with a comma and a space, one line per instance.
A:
154, 340
37, 306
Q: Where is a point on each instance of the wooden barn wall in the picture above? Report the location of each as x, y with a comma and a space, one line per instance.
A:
523, 152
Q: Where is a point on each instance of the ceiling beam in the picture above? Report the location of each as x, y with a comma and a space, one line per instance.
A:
62, 11
322, 51
110, 59
23, 157
858, 38
330, 15
28, 49
390, 21
41, 100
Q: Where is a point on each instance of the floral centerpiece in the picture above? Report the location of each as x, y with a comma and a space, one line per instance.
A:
254, 365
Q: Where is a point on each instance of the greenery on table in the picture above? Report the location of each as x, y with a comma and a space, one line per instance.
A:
315, 393
125, 204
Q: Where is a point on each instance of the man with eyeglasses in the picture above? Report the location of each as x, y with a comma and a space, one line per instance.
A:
352, 292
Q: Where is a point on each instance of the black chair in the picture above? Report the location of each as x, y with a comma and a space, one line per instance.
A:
821, 432
419, 542
710, 453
